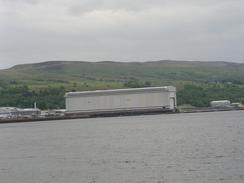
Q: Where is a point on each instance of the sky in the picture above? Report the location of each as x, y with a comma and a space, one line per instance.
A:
120, 30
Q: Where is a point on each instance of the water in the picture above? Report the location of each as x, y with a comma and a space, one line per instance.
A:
176, 148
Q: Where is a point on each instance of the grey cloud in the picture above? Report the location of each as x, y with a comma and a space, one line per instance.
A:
32, 30
33, 2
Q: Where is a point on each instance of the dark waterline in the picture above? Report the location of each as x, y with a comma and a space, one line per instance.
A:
197, 147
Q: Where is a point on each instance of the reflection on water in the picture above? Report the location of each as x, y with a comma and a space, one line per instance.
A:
200, 147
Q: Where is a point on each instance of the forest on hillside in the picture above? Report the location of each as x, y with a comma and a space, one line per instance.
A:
52, 97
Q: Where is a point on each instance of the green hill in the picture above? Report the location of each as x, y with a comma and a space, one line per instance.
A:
23, 84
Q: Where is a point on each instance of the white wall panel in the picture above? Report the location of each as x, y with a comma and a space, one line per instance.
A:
115, 101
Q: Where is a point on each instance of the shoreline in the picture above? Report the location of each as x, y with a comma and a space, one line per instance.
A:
112, 114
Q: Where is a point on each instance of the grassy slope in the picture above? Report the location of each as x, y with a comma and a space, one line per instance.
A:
114, 74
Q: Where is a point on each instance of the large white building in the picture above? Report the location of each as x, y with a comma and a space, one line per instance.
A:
133, 99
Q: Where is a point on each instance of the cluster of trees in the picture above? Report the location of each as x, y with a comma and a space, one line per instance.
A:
201, 96
135, 83
52, 97
24, 97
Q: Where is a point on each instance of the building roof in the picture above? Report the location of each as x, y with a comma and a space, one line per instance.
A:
120, 91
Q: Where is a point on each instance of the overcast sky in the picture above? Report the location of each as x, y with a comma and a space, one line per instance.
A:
122, 30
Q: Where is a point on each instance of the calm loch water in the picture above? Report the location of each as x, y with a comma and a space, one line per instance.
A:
176, 148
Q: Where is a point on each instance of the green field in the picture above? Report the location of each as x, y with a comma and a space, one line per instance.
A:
197, 82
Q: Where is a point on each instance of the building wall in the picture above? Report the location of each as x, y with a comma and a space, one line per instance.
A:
137, 100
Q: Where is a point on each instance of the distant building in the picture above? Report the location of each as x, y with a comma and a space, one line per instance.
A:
236, 104
132, 99
13, 112
8, 112
29, 112
220, 103
52, 113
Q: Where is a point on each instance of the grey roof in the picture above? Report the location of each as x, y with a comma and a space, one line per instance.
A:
121, 91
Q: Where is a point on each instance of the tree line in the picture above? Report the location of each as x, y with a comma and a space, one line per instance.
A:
53, 97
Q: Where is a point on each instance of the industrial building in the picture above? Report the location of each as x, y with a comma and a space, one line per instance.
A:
133, 99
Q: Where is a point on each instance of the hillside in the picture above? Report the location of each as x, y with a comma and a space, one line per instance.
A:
63, 72
68, 76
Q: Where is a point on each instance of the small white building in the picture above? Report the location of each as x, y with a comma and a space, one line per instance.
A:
220, 103
163, 98
8, 112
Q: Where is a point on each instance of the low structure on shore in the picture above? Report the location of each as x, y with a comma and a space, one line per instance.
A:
122, 100
16, 113
220, 103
